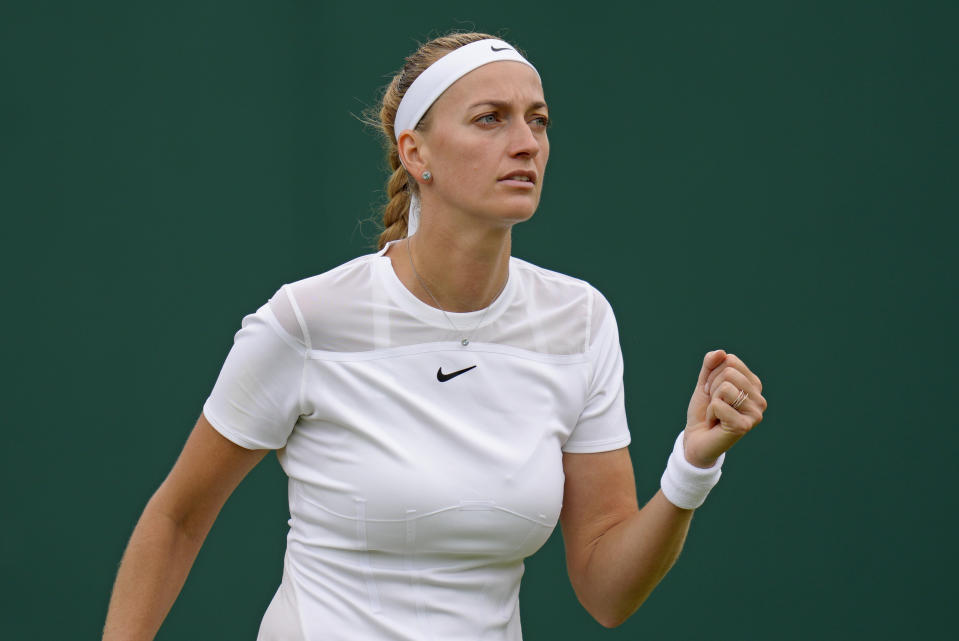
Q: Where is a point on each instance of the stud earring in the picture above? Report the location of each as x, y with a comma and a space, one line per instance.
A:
427, 176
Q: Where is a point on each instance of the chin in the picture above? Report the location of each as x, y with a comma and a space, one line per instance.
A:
518, 212
505, 211
516, 215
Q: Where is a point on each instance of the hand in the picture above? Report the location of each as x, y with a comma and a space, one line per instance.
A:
712, 424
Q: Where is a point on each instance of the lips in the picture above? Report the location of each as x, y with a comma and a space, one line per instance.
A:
520, 175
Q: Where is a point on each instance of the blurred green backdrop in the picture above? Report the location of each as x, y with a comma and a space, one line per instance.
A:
774, 178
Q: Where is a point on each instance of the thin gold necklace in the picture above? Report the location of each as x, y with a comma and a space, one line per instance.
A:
466, 339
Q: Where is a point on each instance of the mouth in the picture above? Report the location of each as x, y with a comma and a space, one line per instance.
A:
520, 177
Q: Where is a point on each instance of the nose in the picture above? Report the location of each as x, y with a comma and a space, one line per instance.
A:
524, 141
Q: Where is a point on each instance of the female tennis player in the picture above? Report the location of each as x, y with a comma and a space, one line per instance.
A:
438, 406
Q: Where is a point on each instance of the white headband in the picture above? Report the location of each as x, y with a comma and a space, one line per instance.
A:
436, 79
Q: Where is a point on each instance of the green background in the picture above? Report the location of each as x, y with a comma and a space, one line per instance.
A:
774, 178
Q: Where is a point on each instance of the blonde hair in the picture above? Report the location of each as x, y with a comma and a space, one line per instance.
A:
400, 185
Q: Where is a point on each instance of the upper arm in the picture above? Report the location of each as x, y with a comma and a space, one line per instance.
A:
599, 492
205, 474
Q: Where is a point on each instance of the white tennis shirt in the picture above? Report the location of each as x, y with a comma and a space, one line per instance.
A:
422, 472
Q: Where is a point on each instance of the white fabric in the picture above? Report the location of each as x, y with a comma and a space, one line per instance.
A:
684, 484
415, 501
413, 218
437, 78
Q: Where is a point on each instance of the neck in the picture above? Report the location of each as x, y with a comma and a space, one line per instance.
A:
464, 272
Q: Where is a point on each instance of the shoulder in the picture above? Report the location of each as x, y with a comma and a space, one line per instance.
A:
530, 271
562, 285
306, 306
570, 305
340, 276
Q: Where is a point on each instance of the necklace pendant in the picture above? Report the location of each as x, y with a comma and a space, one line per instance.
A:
465, 342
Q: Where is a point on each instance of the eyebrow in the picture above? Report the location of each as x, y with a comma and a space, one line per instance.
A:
500, 104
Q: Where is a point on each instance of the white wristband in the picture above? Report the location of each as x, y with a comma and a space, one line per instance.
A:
686, 485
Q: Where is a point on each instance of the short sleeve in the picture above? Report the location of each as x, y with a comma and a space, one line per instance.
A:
256, 399
602, 423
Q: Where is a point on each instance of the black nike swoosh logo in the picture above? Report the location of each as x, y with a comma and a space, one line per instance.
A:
500, 49
442, 378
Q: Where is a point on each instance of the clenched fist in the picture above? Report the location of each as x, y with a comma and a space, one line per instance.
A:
725, 405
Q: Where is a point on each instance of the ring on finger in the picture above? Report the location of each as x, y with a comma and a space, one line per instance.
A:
740, 399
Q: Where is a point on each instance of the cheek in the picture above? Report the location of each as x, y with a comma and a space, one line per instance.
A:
475, 169
464, 176
469, 159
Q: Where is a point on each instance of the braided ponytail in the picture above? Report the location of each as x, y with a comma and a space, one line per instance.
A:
400, 185
397, 209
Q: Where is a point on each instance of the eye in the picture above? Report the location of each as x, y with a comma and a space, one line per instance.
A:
542, 122
486, 119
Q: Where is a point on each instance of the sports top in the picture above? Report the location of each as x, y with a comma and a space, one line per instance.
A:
421, 471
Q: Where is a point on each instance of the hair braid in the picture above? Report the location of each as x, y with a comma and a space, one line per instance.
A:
400, 185
396, 211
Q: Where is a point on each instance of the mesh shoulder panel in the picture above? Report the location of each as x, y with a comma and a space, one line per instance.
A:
362, 306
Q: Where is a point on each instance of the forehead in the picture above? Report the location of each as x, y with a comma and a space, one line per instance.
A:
506, 80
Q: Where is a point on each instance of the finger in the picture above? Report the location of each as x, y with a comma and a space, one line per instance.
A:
759, 402
730, 375
711, 381
737, 363
731, 395
751, 407
729, 419
711, 361
741, 382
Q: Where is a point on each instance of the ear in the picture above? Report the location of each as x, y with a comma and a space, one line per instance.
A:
412, 152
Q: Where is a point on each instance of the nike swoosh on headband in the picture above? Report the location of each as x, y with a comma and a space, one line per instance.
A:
442, 378
500, 49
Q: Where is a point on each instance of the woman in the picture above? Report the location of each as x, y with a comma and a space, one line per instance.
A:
438, 406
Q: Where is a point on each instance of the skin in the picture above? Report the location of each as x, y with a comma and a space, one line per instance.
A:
171, 530
486, 125
617, 553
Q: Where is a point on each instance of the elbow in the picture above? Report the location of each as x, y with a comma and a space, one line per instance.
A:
610, 610
611, 620
610, 623
610, 616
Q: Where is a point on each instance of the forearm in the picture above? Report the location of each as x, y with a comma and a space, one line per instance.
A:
630, 559
154, 568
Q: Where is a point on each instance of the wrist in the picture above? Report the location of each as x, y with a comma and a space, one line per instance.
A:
696, 461
686, 485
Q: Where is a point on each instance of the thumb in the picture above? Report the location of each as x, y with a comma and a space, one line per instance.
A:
699, 402
712, 360
711, 419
